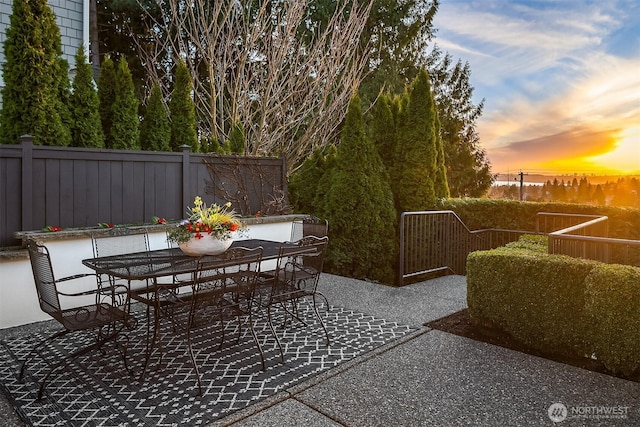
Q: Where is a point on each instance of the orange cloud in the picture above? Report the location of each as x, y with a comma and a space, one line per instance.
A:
565, 150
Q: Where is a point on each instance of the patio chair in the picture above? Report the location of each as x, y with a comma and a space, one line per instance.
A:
295, 277
105, 319
222, 289
119, 240
308, 226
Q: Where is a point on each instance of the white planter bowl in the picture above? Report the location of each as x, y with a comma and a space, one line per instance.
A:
206, 245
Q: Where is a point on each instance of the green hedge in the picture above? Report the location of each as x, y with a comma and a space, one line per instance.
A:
613, 310
624, 223
558, 304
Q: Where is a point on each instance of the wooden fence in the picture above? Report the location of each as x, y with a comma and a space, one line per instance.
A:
81, 187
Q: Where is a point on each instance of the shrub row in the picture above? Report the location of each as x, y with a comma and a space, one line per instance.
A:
624, 223
558, 304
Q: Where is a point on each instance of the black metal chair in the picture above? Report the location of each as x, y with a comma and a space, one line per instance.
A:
296, 277
119, 240
308, 226
222, 289
105, 319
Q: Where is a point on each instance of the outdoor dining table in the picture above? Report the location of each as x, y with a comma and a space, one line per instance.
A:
169, 262
149, 266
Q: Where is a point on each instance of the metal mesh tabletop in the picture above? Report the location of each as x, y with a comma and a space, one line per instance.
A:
169, 262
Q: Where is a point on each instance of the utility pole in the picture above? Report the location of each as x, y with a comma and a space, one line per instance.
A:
521, 175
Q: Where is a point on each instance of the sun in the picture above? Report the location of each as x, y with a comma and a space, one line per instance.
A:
625, 158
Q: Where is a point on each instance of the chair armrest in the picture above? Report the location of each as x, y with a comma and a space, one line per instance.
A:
83, 293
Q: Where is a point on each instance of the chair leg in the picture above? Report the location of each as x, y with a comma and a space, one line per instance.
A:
273, 330
292, 312
255, 338
315, 309
34, 350
75, 355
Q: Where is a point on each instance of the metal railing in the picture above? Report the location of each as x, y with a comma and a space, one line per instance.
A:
438, 241
589, 240
549, 222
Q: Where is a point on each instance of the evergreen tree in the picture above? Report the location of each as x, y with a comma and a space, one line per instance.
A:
599, 197
31, 75
303, 184
86, 129
125, 125
382, 127
359, 207
182, 109
396, 34
107, 96
467, 168
413, 174
155, 130
440, 184
236, 139
64, 95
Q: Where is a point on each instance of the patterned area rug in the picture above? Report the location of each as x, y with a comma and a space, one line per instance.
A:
96, 390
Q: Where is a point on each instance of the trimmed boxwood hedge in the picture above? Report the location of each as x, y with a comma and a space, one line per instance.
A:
613, 316
558, 304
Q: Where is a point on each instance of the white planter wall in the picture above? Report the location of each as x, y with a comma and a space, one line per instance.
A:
18, 298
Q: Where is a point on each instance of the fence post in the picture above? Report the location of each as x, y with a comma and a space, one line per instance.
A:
26, 141
186, 176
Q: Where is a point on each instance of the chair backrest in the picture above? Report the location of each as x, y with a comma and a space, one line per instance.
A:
308, 226
301, 265
44, 279
120, 240
314, 259
235, 269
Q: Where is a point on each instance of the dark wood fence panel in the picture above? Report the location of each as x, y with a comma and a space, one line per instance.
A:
80, 187
10, 182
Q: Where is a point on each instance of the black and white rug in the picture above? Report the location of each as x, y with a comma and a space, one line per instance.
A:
96, 390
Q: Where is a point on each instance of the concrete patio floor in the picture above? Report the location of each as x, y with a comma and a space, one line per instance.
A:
430, 377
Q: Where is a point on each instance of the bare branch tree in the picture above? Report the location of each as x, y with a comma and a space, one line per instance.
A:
251, 67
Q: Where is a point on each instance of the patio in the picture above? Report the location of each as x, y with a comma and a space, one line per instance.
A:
413, 376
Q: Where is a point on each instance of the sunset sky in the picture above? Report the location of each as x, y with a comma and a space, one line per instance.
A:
560, 79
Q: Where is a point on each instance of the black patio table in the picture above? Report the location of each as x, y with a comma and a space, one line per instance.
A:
169, 262
148, 266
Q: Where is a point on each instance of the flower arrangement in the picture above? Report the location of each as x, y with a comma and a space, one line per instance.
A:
217, 221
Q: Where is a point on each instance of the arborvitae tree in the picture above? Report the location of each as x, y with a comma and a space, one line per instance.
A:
86, 129
182, 109
211, 145
413, 173
64, 95
303, 184
31, 75
359, 207
236, 139
125, 126
107, 96
155, 130
440, 184
382, 128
